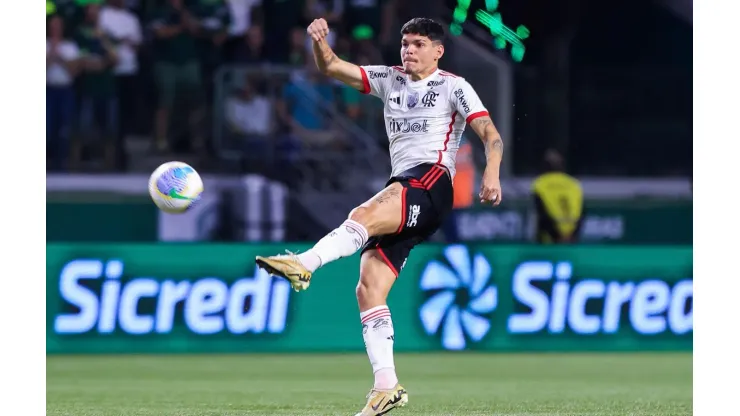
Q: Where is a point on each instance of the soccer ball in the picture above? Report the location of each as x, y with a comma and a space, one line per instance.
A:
175, 187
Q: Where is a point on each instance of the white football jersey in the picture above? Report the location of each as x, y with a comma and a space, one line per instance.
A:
424, 119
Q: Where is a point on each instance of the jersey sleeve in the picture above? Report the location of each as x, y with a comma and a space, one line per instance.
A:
467, 103
376, 79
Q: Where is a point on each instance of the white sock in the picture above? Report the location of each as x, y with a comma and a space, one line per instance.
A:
377, 331
344, 241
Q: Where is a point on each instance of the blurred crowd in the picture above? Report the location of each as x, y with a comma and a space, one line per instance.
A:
150, 68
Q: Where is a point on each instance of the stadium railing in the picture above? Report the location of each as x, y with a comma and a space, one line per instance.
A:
329, 170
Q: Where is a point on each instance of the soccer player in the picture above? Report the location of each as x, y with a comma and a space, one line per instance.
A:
426, 111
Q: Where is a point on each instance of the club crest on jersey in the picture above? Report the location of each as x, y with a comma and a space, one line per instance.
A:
429, 99
412, 99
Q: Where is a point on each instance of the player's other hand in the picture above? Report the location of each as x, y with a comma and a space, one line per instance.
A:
318, 29
490, 188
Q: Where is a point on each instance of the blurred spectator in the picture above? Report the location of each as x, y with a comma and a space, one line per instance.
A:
298, 107
558, 200
61, 68
251, 49
241, 16
213, 29
66, 9
366, 46
463, 188
98, 103
351, 98
177, 70
249, 113
298, 55
279, 18
124, 29
364, 110
330, 10
249, 116
464, 176
376, 14
242, 19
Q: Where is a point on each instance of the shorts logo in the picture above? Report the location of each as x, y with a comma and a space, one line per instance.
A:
414, 211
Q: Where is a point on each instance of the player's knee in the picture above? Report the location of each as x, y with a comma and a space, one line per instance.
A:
361, 215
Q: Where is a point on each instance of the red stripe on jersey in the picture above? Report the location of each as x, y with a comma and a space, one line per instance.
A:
365, 81
447, 138
447, 74
476, 115
399, 69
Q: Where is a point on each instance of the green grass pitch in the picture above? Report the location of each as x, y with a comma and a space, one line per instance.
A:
469, 384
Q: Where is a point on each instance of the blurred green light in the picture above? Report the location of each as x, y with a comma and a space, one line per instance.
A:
456, 29
460, 15
522, 32
502, 35
517, 53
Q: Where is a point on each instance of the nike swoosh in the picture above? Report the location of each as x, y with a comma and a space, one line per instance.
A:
174, 195
394, 400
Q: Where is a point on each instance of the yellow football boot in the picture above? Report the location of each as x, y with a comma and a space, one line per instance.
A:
287, 266
380, 402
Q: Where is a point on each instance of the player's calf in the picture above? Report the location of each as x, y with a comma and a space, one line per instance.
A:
376, 280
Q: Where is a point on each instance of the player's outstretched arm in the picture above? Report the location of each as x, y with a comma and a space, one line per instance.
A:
494, 146
328, 62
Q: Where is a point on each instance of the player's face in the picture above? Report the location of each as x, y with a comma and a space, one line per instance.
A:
419, 54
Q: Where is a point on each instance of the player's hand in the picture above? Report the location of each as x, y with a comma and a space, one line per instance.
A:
490, 188
318, 30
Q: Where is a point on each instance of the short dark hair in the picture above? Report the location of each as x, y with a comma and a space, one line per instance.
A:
424, 27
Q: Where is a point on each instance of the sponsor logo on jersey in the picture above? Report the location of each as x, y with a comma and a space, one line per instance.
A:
461, 98
435, 83
373, 74
401, 79
404, 126
412, 99
429, 99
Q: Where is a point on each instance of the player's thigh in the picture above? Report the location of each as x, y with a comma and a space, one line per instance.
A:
383, 213
376, 279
